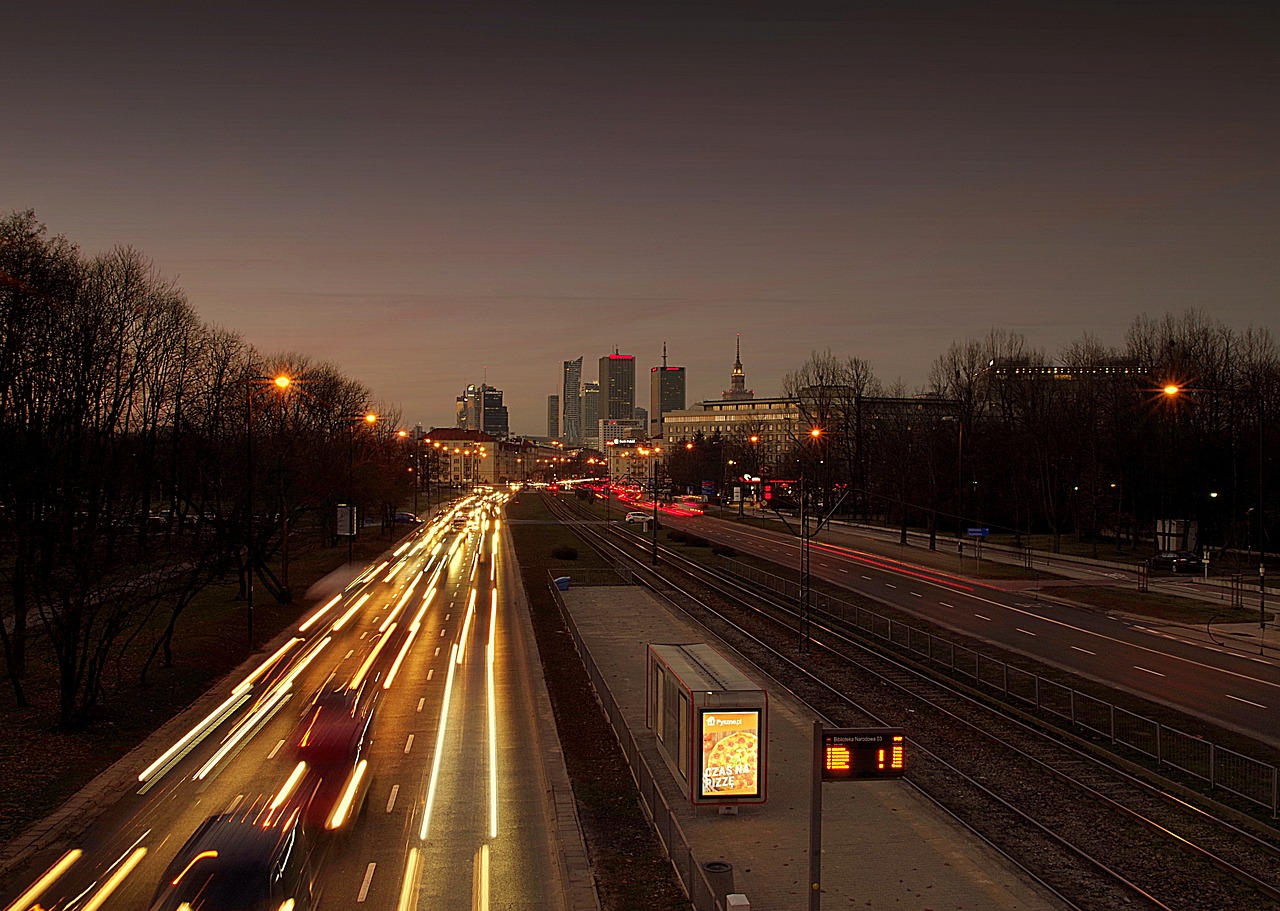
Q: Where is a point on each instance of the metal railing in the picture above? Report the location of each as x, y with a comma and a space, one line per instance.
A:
1251, 779
655, 804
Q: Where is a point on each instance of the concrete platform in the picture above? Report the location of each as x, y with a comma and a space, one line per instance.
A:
884, 845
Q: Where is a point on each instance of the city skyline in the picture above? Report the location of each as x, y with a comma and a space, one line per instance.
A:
413, 193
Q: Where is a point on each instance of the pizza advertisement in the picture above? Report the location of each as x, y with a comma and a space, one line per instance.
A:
731, 760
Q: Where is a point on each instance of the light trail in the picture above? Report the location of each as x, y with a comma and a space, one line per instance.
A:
343, 807
368, 662
493, 719
195, 735
246, 727
466, 625
404, 650
409, 885
288, 787
247, 682
311, 621
435, 760
395, 570
480, 880
115, 880
355, 606
24, 901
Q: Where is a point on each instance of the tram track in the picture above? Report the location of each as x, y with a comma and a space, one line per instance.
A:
1092, 834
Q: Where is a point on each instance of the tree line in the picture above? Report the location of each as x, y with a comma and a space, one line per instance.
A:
146, 455
1102, 442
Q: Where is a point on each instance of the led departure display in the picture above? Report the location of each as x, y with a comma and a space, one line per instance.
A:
849, 753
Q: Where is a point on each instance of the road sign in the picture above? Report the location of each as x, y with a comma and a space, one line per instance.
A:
849, 753
979, 532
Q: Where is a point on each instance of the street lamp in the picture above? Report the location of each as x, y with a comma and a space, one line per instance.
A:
281, 382
368, 418
1172, 391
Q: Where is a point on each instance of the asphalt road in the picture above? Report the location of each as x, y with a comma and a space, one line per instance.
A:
455, 814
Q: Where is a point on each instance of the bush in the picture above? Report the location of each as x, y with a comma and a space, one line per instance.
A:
678, 536
564, 552
723, 550
697, 541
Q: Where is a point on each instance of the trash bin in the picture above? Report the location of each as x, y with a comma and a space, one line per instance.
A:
719, 877
562, 583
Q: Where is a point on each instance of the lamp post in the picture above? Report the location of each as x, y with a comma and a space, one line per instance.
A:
368, 418
806, 587
281, 382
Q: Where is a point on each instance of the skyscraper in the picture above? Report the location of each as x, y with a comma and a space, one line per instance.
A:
480, 408
591, 413
553, 417
571, 398
666, 393
618, 386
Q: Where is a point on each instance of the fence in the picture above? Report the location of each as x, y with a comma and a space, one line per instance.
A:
656, 806
1244, 776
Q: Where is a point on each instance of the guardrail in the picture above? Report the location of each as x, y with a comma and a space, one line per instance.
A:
1251, 779
656, 807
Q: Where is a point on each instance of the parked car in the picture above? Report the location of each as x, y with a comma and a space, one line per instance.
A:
638, 518
1176, 561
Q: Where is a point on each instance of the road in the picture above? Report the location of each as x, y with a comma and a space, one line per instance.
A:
455, 814
1235, 690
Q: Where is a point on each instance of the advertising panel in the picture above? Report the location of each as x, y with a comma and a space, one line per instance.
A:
730, 758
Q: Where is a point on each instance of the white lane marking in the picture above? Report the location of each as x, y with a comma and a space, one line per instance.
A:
845, 571
442, 631
868, 578
430, 672
447, 616
348, 654
980, 617
364, 886
891, 585
408, 744
1148, 670
1085, 650
275, 749
1026, 632
945, 604
1245, 701
362, 635
421, 703
391, 801
916, 595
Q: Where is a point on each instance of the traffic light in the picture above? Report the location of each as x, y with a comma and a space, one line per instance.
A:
768, 492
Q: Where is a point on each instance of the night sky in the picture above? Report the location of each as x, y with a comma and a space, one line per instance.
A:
417, 191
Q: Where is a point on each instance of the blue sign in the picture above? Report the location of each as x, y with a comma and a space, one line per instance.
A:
708, 488
979, 532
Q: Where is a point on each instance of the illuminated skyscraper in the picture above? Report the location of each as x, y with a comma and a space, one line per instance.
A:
571, 399
618, 386
666, 393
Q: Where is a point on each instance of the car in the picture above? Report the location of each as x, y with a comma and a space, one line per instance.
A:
1176, 561
638, 518
333, 740
250, 860
406, 518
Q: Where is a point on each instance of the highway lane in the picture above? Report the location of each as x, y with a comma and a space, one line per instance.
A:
1238, 691
394, 629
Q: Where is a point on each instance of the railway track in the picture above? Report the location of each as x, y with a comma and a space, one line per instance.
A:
1092, 834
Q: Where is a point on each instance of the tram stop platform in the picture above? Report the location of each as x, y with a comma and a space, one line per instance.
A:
884, 845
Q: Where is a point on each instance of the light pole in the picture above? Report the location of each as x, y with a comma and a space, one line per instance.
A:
806, 587
281, 383
369, 419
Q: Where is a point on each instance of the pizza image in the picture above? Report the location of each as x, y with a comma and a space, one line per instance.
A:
731, 762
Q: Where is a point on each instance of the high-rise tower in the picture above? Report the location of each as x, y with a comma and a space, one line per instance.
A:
571, 400
666, 392
618, 386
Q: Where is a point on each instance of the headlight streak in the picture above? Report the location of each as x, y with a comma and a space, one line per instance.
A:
114, 881
24, 901
409, 885
287, 681
394, 571
248, 726
404, 599
480, 880
287, 788
402, 548
493, 718
435, 760
493, 556
466, 625
311, 621
188, 740
355, 606
373, 656
343, 808
408, 642
247, 683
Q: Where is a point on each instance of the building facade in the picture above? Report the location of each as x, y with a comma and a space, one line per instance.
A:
571, 400
666, 393
618, 386
553, 417
589, 431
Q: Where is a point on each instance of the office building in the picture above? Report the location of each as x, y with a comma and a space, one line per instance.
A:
618, 386
480, 408
553, 417
666, 393
590, 414
571, 399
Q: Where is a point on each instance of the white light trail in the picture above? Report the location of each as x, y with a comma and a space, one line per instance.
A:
493, 719
115, 880
287, 788
395, 571
355, 606
195, 735
409, 885
404, 650
368, 662
466, 625
311, 621
247, 682
435, 760
246, 727
343, 807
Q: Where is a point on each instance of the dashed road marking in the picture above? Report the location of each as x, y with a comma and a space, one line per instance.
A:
408, 744
364, 886
421, 703
275, 749
1025, 632
1245, 701
980, 617
1085, 650
1148, 670
391, 801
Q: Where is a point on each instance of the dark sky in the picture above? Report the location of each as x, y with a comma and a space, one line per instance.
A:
418, 191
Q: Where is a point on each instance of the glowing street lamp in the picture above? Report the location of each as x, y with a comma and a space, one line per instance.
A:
281, 382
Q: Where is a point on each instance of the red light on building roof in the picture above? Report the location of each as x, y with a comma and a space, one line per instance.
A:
622, 357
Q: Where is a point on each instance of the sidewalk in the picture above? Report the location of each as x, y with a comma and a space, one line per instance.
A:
884, 844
